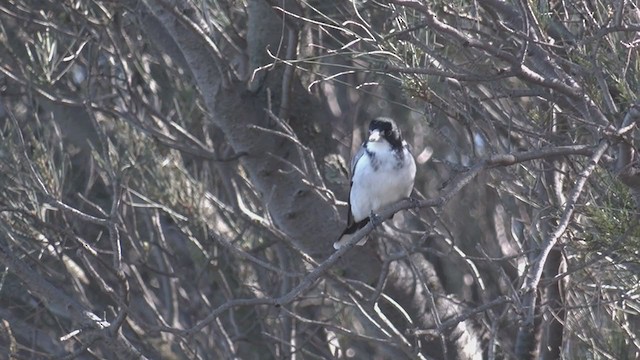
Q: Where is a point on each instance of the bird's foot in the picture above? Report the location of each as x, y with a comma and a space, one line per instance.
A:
375, 219
414, 202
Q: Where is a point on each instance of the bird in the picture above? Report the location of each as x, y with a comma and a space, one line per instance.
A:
382, 172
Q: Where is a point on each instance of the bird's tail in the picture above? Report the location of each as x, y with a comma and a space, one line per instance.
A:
347, 234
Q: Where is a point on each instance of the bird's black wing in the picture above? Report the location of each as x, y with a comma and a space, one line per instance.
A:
352, 226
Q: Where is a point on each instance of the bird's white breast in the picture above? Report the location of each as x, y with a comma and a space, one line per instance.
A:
379, 181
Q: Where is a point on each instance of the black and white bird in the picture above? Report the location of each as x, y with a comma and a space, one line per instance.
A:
382, 172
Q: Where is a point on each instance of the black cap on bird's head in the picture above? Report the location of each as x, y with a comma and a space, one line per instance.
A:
385, 128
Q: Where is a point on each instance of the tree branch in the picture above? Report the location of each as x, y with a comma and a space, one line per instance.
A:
524, 342
88, 322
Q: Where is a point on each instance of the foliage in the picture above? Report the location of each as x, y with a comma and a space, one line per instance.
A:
171, 177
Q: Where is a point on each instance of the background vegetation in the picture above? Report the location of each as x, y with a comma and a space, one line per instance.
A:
173, 175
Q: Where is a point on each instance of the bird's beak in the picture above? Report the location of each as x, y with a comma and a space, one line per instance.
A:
375, 135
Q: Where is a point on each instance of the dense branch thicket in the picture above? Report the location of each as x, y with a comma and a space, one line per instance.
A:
173, 174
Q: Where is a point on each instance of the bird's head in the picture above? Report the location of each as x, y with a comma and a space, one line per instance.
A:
385, 129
